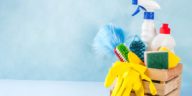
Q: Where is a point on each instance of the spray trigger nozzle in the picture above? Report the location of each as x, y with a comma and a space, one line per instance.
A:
138, 10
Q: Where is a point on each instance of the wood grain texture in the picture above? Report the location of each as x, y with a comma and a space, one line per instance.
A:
164, 88
176, 92
164, 75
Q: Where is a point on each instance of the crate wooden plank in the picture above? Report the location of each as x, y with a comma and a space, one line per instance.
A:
176, 92
163, 74
164, 88
173, 85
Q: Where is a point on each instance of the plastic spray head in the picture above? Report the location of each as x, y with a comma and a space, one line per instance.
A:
146, 5
138, 10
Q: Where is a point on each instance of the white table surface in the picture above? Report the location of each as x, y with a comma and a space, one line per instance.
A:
51, 88
60, 88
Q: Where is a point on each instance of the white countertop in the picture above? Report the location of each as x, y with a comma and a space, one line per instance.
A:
59, 88
51, 88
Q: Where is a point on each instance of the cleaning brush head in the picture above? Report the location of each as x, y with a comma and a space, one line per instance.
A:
121, 51
138, 47
107, 39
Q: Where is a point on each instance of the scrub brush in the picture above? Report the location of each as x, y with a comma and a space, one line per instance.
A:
138, 47
121, 52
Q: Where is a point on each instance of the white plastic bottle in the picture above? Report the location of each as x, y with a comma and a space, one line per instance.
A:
164, 39
148, 26
148, 29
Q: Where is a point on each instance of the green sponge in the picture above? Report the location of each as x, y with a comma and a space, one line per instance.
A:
156, 59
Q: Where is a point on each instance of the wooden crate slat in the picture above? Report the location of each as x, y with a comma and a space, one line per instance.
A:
163, 74
170, 86
176, 92
164, 88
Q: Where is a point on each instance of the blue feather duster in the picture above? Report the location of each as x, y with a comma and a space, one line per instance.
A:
108, 37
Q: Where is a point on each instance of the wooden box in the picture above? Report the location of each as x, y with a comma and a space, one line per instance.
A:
167, 82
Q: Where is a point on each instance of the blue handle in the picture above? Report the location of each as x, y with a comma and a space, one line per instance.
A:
138, 10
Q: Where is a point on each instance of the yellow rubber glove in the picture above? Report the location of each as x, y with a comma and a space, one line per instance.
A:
117, 70
129, 77
173, 58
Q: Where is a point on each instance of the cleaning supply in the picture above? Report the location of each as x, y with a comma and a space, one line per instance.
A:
110, 41
148, 30
173, 58
164, 39
157, 59
121, 52
107, 39
129, 77
138, 47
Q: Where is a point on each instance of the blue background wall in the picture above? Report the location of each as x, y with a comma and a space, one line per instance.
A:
51, 39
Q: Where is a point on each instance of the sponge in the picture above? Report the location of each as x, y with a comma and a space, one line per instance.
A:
138, 47
156, 59
173, 58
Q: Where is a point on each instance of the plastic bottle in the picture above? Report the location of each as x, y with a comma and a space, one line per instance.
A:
148, 27
164, 39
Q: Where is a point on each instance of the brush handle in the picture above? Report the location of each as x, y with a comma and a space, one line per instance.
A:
118, 56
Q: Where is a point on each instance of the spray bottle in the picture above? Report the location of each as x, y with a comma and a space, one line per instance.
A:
148, 27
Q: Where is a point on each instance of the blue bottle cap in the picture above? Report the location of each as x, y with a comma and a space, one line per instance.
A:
149, 15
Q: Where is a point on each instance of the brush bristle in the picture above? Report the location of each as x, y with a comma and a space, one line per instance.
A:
123, 51
138, 47
107, 39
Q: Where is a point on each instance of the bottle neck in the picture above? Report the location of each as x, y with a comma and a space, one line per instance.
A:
164, 34
149, 21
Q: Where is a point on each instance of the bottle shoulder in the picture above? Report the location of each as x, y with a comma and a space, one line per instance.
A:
162, 37
148, 24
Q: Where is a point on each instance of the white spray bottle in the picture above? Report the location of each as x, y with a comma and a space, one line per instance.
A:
148, 27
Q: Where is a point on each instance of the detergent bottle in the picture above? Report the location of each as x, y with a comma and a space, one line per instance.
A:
148, 30
164, 39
